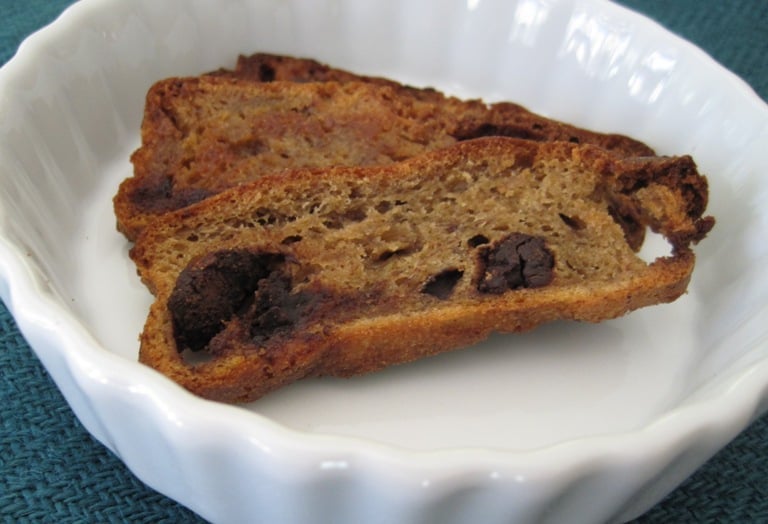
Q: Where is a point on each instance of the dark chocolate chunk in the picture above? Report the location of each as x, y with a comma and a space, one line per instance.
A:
210, 291
441, 285
157, 195
275, 307
514, 262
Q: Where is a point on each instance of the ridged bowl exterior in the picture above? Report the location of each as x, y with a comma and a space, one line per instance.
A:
70, 111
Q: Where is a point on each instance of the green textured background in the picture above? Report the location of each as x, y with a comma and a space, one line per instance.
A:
52, 470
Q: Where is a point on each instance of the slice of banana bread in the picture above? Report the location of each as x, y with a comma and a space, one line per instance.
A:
346, 270
204, 134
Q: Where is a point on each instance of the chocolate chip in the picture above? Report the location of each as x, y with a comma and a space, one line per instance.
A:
158, 195
211, 290
516, 261
275, 308
441, 285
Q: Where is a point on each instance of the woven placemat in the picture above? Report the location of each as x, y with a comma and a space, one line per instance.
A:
52, 470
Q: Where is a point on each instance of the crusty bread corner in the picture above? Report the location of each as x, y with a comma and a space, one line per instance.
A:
390, 264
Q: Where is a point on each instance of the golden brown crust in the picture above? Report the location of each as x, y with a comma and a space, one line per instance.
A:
198, 134
359, 244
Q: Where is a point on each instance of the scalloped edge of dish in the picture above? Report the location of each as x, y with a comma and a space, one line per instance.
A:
328, 471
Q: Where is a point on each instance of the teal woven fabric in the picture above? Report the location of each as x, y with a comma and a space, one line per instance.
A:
52, 470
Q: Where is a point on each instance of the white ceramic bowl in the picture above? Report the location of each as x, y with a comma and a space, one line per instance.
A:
571, 423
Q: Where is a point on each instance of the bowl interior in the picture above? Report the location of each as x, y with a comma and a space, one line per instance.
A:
71, 116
